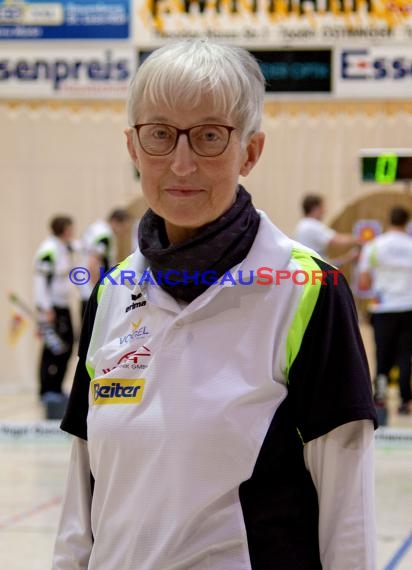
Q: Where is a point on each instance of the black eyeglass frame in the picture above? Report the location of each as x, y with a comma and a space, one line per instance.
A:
186, 132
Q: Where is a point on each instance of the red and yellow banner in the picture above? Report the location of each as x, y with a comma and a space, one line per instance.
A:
262, 23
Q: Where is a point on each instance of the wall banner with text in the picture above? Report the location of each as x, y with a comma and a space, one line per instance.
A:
373, 72
81, 73
290, 71
267, 23
296, 71
64, 20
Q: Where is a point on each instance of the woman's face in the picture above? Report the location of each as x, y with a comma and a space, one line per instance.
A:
185, 189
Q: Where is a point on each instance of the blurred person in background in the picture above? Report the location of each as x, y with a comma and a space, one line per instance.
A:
52, 287
99, 248
385, 267
314, 233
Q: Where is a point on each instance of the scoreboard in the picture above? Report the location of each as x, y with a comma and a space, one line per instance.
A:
386, 165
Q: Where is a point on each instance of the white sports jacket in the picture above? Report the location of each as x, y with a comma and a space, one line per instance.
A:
232, 433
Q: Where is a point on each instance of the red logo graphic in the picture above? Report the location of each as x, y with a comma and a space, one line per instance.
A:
134, 359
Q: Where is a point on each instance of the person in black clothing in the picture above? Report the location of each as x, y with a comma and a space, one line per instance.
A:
53, 262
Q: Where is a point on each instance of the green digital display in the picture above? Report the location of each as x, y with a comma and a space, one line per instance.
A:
386, 167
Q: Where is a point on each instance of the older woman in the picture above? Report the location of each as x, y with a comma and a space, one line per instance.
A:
221, 407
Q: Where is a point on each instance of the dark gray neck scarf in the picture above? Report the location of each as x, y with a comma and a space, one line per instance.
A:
218, 246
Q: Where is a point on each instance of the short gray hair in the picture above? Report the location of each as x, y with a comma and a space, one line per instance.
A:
184, 71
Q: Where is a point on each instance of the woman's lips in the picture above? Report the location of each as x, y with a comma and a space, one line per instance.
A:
183, 192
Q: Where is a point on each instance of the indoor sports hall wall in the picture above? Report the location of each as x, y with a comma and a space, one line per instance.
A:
71, 158
58, 159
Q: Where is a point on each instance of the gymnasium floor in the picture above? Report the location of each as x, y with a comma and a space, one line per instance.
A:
34, 461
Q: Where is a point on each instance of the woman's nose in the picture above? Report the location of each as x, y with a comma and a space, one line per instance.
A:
183, 161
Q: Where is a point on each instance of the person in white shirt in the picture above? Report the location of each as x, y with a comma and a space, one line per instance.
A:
385, 267
314, 233
221, 410
53, 261
99, 248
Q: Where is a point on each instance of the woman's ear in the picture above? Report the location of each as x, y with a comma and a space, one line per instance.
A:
130, 137
252, 152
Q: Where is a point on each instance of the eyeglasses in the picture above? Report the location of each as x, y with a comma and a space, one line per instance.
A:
157, 139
